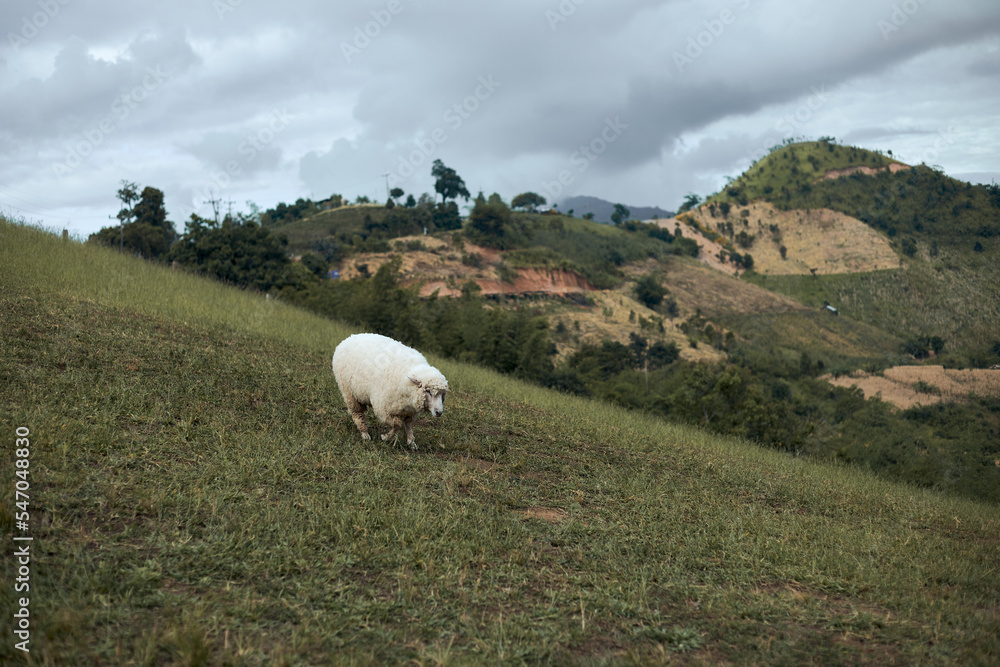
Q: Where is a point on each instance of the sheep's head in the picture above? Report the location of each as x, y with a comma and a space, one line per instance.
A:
434, 393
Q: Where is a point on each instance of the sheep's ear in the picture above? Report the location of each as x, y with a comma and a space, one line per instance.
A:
416, 382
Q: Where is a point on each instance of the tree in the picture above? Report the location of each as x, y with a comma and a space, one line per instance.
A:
410, 202
661, 354
396, 193
237, 251
446, 217
127, 193
620, 214
144, 229
492, 224
691, 200
528, 200
150, 209
650, 291
488, 223
447, 182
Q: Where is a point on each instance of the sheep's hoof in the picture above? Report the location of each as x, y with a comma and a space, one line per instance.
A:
365, 436
413, 445
385, 436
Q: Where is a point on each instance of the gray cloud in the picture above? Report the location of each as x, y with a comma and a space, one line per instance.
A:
695, 90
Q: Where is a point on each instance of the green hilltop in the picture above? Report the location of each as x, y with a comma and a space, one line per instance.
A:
788, 168
199, 496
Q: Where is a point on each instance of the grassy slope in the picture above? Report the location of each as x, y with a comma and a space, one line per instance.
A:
302, 234
198, 495
958, 299
766, 319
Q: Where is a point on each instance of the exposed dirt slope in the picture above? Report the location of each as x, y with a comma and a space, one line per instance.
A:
907, 386
868, 171
440, 267
710, 248
818, 241
613, 316
527, 281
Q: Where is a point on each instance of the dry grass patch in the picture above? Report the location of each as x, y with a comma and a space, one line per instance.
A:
907, 386
815, 240
549, 514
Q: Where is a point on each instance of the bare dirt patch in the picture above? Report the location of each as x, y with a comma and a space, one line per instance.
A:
549, 514
439, 266
480, 464
527, 281
868, 171
709, 248
907, 386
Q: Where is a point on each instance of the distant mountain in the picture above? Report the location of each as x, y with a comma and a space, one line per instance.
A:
603, 209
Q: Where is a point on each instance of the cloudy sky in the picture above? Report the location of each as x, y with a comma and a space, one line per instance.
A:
635, 101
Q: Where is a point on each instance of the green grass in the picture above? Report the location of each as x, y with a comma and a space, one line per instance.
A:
303, 233
199, 496
955, 296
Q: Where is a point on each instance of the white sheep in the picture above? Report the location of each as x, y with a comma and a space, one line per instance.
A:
394, 380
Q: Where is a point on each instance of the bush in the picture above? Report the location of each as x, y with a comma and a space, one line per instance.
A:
649, 291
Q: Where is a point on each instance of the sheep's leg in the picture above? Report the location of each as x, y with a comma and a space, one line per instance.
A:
408, 423
396, 424
357, 411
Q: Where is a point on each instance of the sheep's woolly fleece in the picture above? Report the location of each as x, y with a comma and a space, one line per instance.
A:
394, 380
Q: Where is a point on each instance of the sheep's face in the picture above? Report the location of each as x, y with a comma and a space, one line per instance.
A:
433, 398
434, 401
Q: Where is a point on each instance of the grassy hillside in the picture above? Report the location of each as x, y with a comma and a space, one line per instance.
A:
790, 168
958, 301
198, 496
947, 233
304, 233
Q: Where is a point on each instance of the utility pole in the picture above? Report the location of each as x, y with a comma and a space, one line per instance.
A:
214, 203
387, 195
